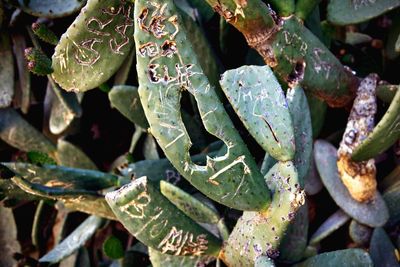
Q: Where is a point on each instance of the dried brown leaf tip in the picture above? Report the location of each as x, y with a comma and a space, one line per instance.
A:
359, 177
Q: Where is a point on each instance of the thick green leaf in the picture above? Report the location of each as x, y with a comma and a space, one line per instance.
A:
392, 40
122, 75
69, 155
301, 119
294, 242
392, 198
90, 202
18, 133
156, 222
65, 107
259, 100
74, 241
264, 261
343, 12
334, 222
284, 8
94, 46
386, 92
355, 38
150, 148
91, 205
206, 56
346, 257
382, 250
305, 7
51, 8
301, 57
23, 91
374, 213
6, 71
359, 233
166, 65
267, 163
157, 170
8, 237
313, 184
11, 191
191, 206
257, 234
159, 259
43, 222
206, 12
385, 134
74, 198
64, 177
318, 110
126, 100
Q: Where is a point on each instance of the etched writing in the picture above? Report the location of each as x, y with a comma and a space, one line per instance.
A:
183, 243
135, 208
360, 3
149, 49
86, 54
156, 24
294, 39
319, 64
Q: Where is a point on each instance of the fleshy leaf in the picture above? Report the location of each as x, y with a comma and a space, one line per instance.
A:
385, 134
392, 198
359, 233
166, 65
374, 213
65, 177
126, 100
65, 107
301, 119
346, 257
259, 100
94, 46
257, 234
295, 241
6, 71
157, 223
69, 155
51, 8
344, 12
74, 241
17, 132
334, 222
382, 250
191, 206
8, 237
159, 259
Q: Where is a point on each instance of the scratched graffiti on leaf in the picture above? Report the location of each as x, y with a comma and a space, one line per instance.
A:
135, 208
156, 25
167, 66
86, 53
156, 222
183, 243
360, 3
294, 39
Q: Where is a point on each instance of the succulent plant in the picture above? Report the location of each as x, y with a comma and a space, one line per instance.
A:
170, 139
